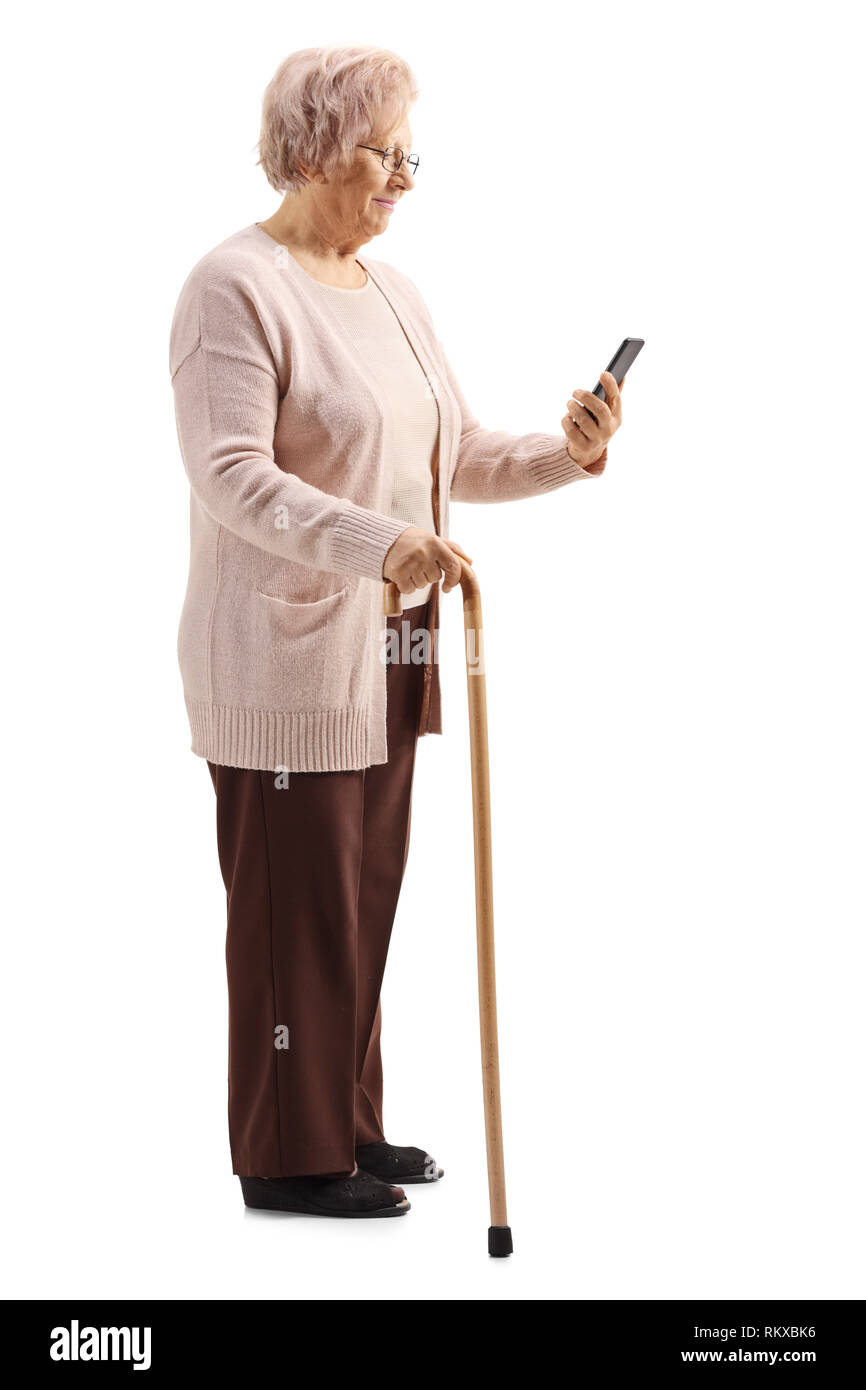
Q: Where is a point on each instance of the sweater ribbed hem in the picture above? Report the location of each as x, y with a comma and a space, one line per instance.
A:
361, 539
331, 740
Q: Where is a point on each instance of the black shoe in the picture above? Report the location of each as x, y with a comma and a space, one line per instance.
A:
394, 1164
360, 1195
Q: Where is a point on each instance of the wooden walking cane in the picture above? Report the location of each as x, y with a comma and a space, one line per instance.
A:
499, 1241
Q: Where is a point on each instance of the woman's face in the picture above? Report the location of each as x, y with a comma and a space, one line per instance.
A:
360, 205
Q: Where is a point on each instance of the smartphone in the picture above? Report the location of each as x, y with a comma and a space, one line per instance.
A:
619, 364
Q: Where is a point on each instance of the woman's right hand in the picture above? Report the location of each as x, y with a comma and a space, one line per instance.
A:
420, 557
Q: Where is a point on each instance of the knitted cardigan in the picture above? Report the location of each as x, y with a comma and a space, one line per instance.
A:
282, 433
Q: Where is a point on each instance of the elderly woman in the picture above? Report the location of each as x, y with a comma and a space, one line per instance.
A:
323, 434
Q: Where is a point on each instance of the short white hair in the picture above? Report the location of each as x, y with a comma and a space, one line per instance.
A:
322, 102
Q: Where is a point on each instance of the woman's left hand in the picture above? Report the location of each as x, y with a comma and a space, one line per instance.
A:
588, 438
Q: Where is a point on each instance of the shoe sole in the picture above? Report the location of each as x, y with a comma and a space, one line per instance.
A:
302, 1208
416, 1179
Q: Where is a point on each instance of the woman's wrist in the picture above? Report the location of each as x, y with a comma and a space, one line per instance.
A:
590, 463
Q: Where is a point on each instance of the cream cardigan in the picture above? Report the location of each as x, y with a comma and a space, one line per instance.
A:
280, 426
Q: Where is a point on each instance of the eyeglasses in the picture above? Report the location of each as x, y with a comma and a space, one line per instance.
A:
393, 157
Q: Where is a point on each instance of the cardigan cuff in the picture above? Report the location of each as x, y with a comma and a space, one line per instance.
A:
555, 470
361, 539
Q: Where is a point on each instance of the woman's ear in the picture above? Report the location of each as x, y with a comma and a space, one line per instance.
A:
311, 174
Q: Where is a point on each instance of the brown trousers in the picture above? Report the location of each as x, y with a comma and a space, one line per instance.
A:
313, 871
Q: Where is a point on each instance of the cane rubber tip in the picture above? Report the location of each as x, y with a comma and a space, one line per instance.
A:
499, 1241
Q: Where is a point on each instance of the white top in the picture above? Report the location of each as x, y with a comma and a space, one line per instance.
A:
414, 414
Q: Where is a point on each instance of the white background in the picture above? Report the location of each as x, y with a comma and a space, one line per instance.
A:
674, 661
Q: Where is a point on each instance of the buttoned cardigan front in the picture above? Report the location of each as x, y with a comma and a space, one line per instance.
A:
283, 434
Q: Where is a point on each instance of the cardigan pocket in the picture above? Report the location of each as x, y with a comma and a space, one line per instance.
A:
303, 617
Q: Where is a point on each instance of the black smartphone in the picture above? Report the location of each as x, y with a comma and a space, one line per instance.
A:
619, 364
